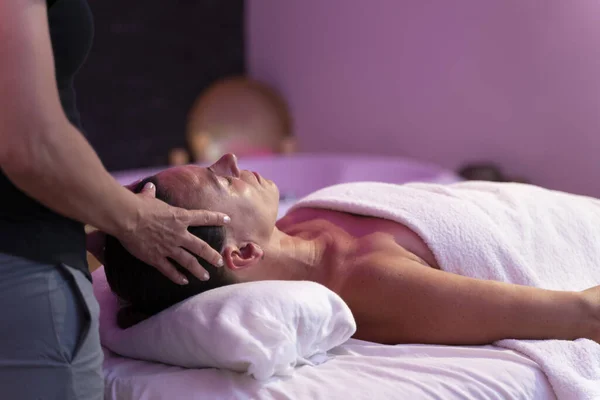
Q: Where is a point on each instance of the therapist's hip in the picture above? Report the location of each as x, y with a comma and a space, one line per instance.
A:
49, 338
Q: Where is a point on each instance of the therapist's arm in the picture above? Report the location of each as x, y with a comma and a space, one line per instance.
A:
96, 239
48, 158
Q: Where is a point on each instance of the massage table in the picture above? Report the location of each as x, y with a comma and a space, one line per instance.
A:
359, 370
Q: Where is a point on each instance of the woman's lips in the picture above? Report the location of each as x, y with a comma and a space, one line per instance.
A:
257, 176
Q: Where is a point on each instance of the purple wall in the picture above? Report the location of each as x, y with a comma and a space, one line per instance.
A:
514, 81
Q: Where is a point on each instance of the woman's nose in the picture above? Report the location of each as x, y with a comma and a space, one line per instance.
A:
229, 161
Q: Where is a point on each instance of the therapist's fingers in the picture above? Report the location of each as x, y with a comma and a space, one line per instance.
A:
169, 270
191, 263
149, 190
199, 247
206, 218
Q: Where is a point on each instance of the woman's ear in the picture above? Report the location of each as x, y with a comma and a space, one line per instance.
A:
236, 258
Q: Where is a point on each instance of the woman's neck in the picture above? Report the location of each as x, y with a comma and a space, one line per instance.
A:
295, 258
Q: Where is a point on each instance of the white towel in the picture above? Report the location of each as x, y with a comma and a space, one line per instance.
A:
507, 232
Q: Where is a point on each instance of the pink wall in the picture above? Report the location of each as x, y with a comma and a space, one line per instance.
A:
514, 81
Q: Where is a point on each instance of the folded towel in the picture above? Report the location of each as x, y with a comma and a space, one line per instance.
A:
506, 232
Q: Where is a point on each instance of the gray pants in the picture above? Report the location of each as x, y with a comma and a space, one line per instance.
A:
49, 340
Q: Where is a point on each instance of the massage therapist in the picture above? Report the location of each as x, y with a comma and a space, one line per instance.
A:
51, 184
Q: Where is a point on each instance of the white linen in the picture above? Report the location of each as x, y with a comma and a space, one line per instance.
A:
507, 232
359, 371
262, 328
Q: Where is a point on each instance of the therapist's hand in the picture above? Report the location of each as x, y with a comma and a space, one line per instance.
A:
160, 233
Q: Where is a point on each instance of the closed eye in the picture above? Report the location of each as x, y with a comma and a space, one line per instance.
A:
218, 178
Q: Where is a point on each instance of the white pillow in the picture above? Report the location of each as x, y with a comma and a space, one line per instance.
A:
261, 328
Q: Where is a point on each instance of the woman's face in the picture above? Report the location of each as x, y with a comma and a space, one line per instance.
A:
249, 199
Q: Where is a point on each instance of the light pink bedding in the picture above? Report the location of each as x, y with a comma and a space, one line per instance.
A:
360, 370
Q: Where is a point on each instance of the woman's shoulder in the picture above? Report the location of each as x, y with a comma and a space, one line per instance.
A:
300, 215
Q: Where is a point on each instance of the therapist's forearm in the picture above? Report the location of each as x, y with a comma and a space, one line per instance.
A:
58, 167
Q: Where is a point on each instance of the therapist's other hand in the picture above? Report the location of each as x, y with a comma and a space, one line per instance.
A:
160, 233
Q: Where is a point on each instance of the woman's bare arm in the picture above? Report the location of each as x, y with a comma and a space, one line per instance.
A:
409, 303
48, 158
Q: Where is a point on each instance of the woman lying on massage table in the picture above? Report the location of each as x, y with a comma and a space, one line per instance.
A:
390, 278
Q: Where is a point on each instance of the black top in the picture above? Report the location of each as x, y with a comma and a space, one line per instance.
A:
27, 228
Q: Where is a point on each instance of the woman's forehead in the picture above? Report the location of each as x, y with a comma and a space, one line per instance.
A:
185, 184
186, 174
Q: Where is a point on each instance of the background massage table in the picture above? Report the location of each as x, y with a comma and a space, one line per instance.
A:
359, 370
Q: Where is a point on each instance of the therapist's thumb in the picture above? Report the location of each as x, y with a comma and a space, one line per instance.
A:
149, 190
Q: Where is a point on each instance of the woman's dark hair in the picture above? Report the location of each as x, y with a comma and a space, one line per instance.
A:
144, 289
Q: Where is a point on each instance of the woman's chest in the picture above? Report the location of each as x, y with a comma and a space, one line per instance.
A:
367, 234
